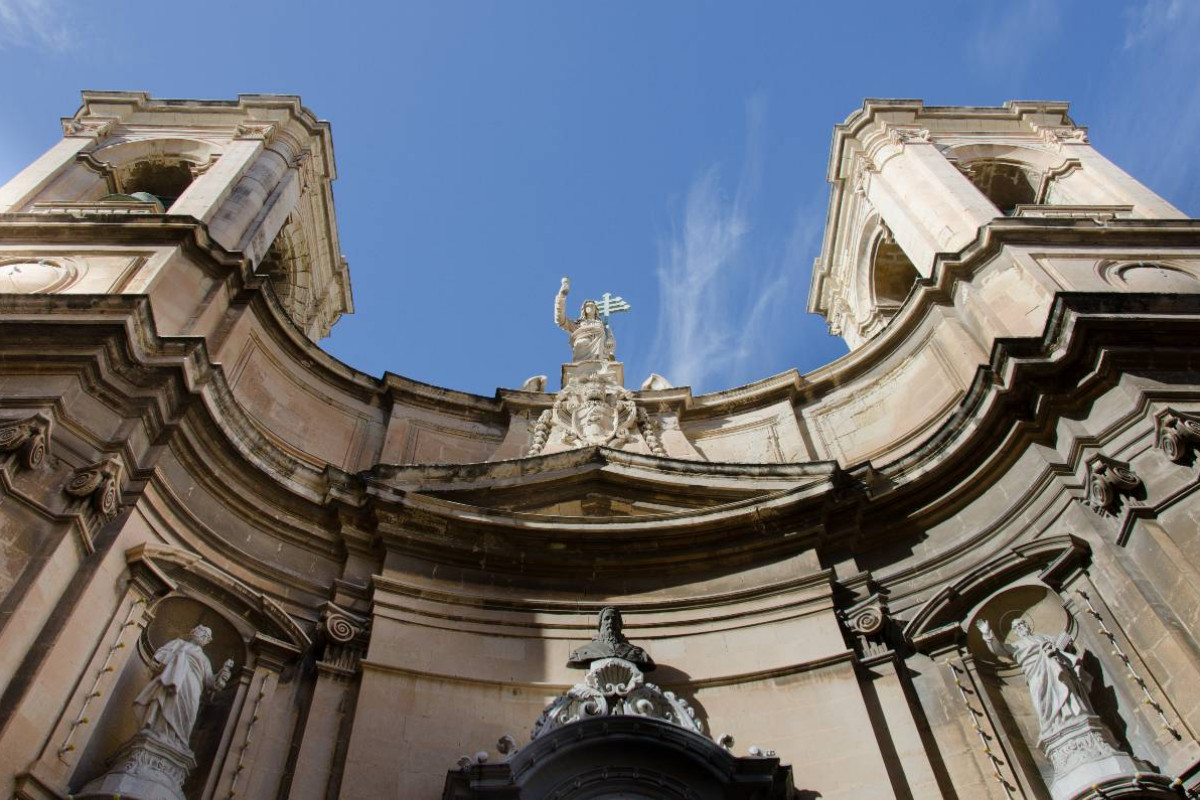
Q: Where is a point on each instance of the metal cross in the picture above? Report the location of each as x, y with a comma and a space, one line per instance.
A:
608, 305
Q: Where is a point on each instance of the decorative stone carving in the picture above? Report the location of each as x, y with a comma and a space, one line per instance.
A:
589, 411
154, 764
1057, 136
1177, 434
344, 636
614, 686
29, 438
902, 136
867, 621
1107, 480
650, 432
101, 482
255, 130
537, 383
656, 383
610, 642
863, 169
89, 128
43, 276
1081, 749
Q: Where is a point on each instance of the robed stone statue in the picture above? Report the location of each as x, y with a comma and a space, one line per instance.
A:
154, 763
590, 338
170, 703
1058, 685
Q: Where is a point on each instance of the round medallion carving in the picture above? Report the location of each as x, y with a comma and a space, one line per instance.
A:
36, 276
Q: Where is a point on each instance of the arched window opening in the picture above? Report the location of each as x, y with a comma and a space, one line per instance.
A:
165, 179
893, 274
1007, 185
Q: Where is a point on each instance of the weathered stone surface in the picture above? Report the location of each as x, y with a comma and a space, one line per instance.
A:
402, 572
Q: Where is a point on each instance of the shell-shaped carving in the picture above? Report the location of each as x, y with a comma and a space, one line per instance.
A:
614, 676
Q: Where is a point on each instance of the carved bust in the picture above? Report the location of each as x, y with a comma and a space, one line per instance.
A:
609, 642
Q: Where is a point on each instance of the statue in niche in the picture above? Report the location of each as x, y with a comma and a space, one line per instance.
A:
171, 701
591, 339
1058, 685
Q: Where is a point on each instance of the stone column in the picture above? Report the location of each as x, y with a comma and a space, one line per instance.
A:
233, 223
330, 711
929, 206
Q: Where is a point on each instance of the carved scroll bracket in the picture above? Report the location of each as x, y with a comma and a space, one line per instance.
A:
344, 636
29, 438
99, 483
1177, 434
1107, 481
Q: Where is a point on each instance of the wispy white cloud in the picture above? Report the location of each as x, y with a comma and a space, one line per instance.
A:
1009, 34
35, 24
722, 301
1154, 98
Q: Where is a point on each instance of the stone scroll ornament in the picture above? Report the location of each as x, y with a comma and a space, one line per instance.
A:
154, 764
101, 482
1178, 435
615, 683
29, 438
1107, 480
1080, 747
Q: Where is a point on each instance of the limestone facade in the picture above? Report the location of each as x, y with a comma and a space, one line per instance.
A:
400, 577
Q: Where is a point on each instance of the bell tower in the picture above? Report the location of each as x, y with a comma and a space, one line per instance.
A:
148, 196
917, 188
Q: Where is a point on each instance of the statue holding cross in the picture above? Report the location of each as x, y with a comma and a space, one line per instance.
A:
591, 334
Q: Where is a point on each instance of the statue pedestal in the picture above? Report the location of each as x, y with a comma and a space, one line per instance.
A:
608, 371
1084, 754
143, 769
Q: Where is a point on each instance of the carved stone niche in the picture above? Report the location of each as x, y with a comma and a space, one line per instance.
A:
1177, 434
1107, 481
1047, 693
28, 438
248, 628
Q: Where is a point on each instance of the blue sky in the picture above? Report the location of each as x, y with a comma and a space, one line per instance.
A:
670, 152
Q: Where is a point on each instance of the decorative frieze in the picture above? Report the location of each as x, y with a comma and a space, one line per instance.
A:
29, 438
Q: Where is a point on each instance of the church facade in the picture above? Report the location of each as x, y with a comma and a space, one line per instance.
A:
960, 562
